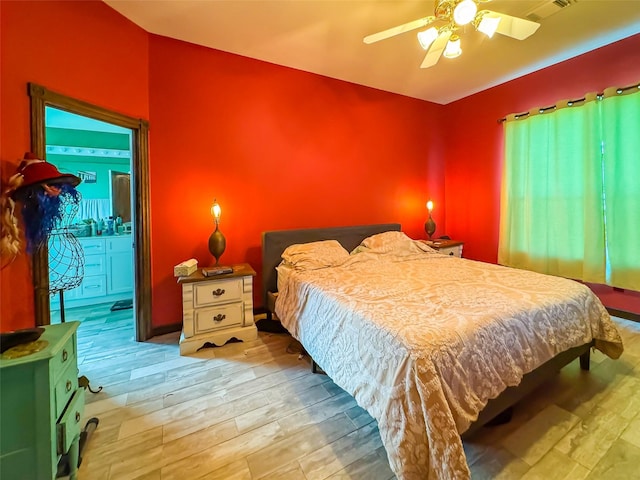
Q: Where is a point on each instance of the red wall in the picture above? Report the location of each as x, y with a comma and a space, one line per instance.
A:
82, 49
474, 148
278, 148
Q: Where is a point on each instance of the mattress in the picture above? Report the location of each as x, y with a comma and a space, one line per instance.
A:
423, 341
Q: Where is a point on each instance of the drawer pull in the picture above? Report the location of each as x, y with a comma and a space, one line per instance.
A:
68, 386
218, 292
219, 317
451, 253
77, 417
65, 355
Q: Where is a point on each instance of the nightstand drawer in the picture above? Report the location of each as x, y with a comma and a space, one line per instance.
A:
64, 388
224, 316
63, 358
223, 291
68, 428
454, 251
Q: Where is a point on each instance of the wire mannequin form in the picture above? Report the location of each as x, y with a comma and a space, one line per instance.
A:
66, 256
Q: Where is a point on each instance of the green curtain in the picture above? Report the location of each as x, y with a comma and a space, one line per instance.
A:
552, 210
570, 201
621, 147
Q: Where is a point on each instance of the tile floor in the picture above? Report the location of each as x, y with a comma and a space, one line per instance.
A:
254, 411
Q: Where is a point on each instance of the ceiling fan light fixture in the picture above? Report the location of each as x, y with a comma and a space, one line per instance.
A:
488, 25
453, 49
465, 12
427, 37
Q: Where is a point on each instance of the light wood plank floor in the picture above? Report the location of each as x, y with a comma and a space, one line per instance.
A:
254, 411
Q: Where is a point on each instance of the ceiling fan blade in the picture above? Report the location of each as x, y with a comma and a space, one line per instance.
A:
515, 27
436, 49
406, 27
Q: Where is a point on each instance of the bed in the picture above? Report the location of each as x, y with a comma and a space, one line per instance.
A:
432, 346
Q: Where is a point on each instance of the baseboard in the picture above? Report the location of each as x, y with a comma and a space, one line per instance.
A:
164, 329
624, 314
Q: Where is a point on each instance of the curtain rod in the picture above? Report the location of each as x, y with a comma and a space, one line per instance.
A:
570, 103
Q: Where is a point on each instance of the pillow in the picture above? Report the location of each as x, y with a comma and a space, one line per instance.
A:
315, 255
386, 242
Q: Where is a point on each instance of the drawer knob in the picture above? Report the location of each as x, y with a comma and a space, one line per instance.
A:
219, 317
218, 292
65, 355
68, 386
77, 417
451, 253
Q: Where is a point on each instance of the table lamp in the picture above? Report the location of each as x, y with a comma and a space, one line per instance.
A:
430, 225
217, 242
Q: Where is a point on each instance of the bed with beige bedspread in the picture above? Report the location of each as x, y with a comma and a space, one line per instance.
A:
423, 340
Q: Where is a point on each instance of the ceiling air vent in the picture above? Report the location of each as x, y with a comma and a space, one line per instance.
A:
548, 8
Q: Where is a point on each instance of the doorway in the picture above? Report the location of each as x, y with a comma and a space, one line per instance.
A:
99, 153
41, 99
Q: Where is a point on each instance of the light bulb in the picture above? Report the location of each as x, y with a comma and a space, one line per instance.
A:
429, 206
216, 210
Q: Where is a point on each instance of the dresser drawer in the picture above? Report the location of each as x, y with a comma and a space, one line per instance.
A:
63, 358
93, 246
95, 286
95, 265
208, 319
223, 291
64, 388
68, 428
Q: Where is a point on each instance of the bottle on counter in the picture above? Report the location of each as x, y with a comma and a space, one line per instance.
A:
110, 224
99, 227
94, 227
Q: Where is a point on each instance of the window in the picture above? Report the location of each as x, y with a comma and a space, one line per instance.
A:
571, 191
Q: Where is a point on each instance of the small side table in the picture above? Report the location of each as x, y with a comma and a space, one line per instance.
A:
217, 309
448, 247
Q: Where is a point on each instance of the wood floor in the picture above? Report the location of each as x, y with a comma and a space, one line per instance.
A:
254, 411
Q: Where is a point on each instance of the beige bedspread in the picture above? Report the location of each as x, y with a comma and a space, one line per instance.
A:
423, 341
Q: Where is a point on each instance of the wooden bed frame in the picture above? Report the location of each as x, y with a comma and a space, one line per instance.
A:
275, 242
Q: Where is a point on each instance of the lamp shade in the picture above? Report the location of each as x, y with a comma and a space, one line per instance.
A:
453, 49
489, 25
465, 12
427, 37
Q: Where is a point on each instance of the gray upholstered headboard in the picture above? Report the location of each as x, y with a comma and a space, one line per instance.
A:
275, 242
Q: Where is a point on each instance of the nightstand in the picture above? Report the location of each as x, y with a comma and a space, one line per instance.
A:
217, 309
40, 407
448, 247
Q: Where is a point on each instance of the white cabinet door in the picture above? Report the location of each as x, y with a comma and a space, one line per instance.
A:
120, 272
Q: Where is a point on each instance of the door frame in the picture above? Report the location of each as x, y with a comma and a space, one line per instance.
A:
42, 97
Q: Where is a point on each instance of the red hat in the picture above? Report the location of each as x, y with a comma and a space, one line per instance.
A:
35, 171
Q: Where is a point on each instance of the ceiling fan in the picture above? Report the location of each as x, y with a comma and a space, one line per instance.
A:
449, 16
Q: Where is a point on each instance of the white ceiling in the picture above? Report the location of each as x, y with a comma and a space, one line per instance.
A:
325, 37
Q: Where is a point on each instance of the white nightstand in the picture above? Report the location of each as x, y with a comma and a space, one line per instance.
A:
217, 309
448, 247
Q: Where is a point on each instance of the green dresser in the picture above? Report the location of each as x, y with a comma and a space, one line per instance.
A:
41, 407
